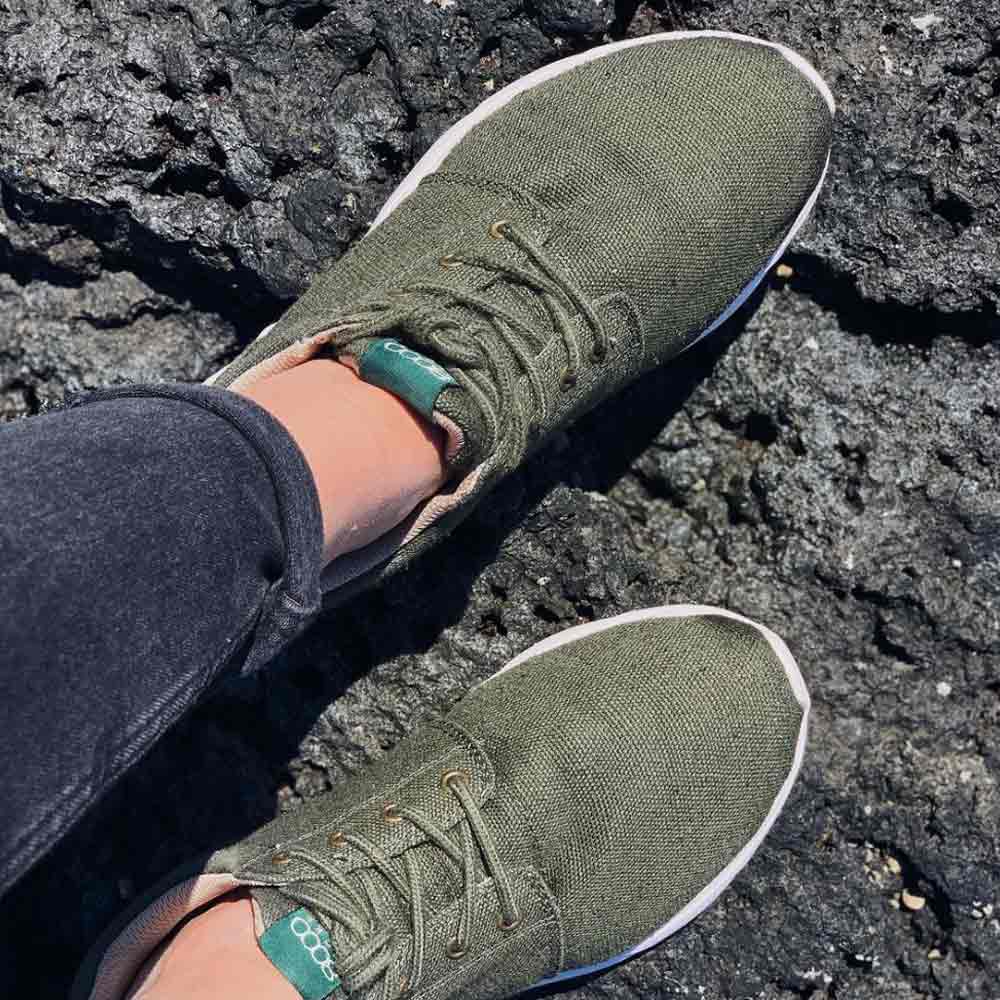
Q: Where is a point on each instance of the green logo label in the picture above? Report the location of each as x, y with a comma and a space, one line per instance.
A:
300, 949
405, 373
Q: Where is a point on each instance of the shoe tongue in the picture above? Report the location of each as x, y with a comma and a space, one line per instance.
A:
431, 390
406, 373
298, 945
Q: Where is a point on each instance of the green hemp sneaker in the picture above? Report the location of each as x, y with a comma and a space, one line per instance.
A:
574, 810
582, 226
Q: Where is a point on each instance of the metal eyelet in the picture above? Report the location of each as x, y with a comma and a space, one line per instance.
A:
455, 774
456, 948
280, 859
391, 813
449, 261
337, 840
500, 229
512, 926
567, 380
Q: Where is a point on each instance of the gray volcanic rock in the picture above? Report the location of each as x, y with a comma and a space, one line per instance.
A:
172, 173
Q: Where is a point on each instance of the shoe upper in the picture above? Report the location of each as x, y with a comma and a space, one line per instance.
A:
583, 231
565, 811
658, 178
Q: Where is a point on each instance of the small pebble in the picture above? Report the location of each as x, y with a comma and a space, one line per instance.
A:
912, 901
944, 689
893, 865
934, 954
925, 22
784, 272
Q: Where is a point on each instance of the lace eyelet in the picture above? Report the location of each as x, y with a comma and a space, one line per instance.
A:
456, 948
455, 774
567, 380
449, 261
391, 813
500, 229
512, 926
280, 859
337, 840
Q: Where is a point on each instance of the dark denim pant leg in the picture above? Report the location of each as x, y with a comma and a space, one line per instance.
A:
151, 542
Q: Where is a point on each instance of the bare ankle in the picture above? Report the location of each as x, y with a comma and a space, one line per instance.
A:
373, 458
214, 956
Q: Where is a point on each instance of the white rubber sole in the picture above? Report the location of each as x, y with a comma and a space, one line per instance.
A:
721, 882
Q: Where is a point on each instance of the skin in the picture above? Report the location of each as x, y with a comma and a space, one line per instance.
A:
373, 459
214, 956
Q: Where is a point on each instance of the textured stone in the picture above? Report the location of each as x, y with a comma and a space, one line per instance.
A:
173, 172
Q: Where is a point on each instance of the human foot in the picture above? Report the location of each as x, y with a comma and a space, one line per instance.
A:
582, 226
577, 808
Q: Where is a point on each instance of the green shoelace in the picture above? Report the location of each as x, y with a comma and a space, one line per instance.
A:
340, 898
481, 360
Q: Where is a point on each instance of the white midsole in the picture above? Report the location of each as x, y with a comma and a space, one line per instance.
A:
717, 886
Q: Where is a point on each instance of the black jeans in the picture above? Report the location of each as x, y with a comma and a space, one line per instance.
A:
152, 540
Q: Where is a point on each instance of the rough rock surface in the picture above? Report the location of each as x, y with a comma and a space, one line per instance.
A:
172, 172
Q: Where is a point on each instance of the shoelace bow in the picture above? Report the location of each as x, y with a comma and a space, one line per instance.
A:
336, 897
462, 349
